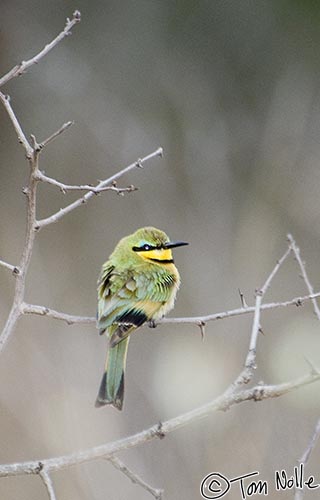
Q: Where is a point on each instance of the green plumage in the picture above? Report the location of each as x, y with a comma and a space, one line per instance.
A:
138, 283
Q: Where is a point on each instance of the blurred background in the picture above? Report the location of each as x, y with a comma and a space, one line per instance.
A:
231, 91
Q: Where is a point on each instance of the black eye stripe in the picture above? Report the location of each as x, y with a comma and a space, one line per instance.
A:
146, 248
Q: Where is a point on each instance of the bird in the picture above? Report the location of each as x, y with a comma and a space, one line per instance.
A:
137, 285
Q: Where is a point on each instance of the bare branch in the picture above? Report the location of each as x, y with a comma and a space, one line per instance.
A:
51, 313
242, 299
102, 184
250, 363
21, 68
84, 187
221, 403
62, 129
16, 308
299, 494
118, 464
296, 251
196, 320
5, 99
313, 441
48, 483
199, 321
14, 269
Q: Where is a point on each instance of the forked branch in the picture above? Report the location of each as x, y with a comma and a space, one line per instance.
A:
108, 450
21, 68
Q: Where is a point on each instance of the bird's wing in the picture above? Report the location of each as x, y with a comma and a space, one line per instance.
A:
113, 293
129, 299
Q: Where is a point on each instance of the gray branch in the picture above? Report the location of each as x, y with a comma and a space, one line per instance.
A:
296, 251
99, 187
21, 68
135, 478
47, 481
192, 320
159, 430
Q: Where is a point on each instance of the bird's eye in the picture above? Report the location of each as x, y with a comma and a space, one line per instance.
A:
143, 248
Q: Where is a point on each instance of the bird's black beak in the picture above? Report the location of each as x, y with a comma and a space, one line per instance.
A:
174, 244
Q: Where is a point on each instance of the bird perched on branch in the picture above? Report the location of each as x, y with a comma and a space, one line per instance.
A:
137, 284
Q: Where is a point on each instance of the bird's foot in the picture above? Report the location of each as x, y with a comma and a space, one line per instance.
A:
152, 323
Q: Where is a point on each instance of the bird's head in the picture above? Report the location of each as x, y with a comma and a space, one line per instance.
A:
150, 245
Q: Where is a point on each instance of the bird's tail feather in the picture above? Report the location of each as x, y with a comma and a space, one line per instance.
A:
112, 384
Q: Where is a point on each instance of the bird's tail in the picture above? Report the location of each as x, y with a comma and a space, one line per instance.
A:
112, 384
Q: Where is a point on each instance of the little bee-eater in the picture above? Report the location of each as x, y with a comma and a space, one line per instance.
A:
137, 284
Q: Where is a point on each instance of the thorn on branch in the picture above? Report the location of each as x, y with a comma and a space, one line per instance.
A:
15, 271
314, 370
39, 468
159, 432
33, 140
202, 326
242, 299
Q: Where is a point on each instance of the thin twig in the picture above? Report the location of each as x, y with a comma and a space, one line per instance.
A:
48, 483
242, 299
296, 251
16, 308
135, 478
299, 494
250, 363
221, 403
51, 313
32, 154
53, 136
5, 99
84, 187
313, 441
12, 268
107, 182
21, 68
296, 301
193, 320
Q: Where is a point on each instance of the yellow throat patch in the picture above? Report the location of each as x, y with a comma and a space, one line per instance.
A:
158, 255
